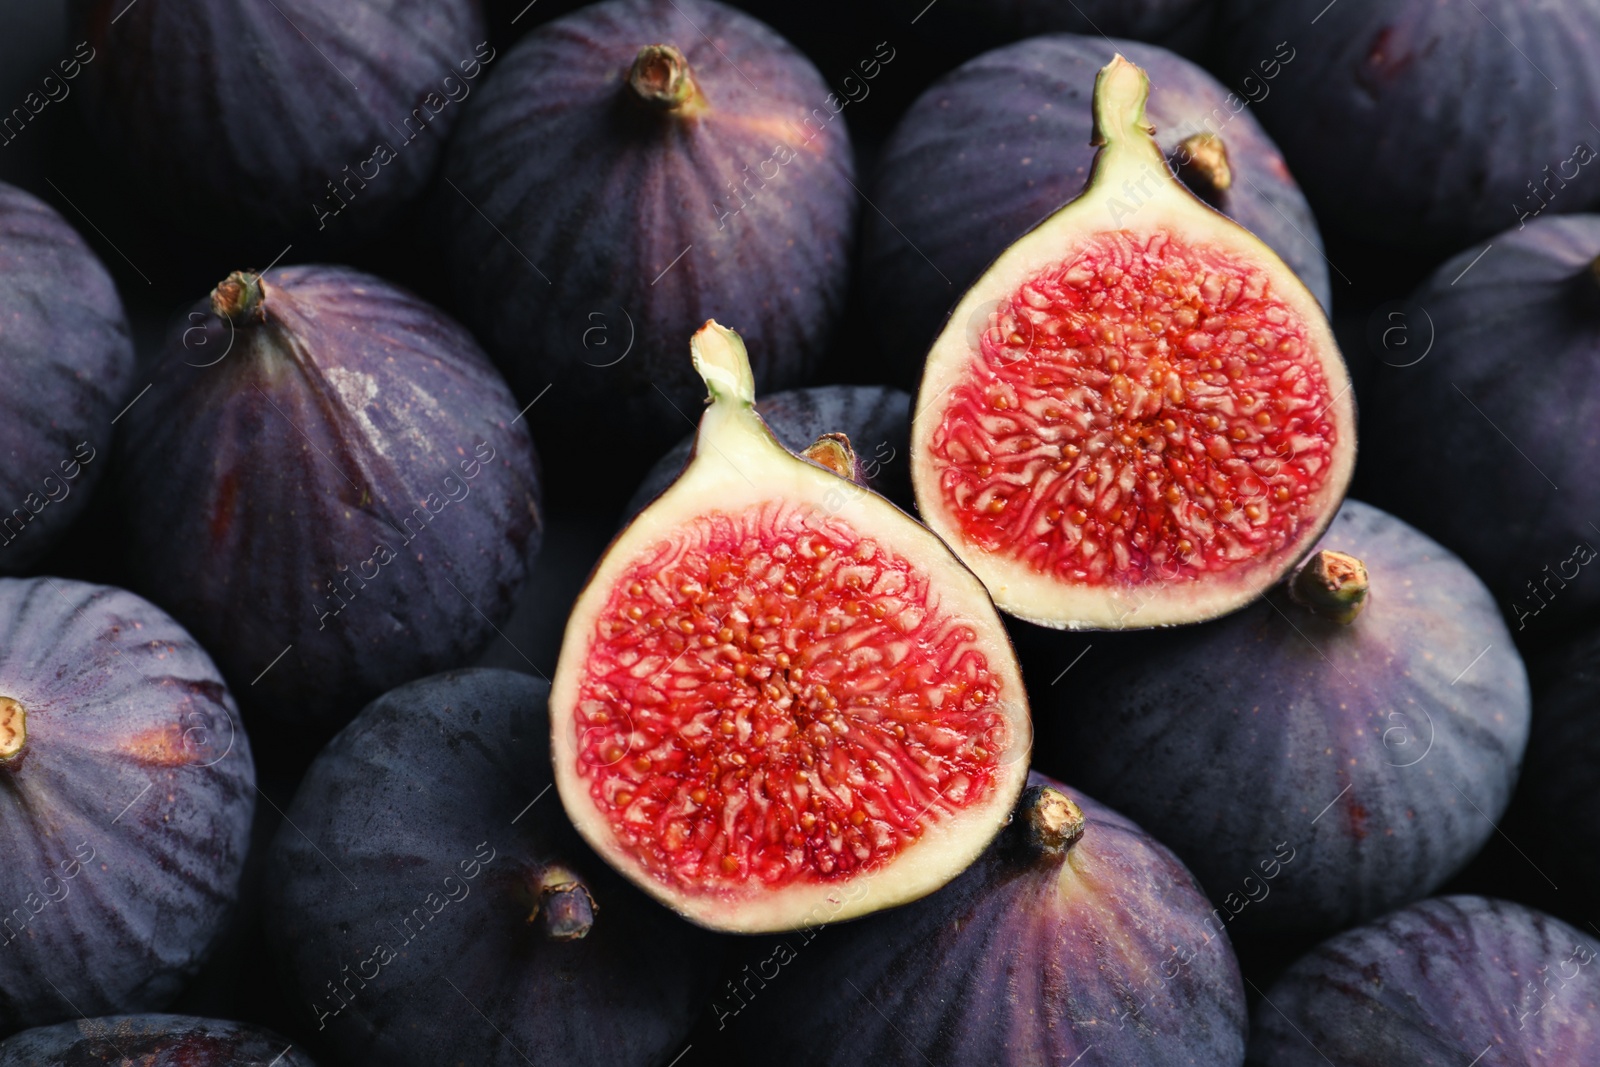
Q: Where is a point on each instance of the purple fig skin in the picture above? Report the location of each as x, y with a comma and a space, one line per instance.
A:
433, 802
264, 120
151, 1041
125, 819
1004, 140
1104, 956
349, 484
1420, 124
67, 360
1487, 441
876, 418
1560, 793
1443, 983
622, 228
1379, 750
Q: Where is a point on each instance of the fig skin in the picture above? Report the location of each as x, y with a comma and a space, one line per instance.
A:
150, 1041
67, 360
1439, 982
595, 196
437, 798
235, 122
1004, 140
876, 419
1379, 750
1471, 440
324, 445
1417, 124
1560, 793
125, 818
1023, 959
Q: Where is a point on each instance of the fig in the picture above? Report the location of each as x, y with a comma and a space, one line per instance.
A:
1137, 415
1458, 979
342, 458
631, 170
67, 360
1418, 124
126, 794
1492, 460
297, 120
150, 1041
1077, 938
1560, 793
876, 420
778, 696
429, 903
1368, 719
1028, 105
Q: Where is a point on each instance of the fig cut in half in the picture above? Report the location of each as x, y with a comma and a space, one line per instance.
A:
1138, 415
780, 701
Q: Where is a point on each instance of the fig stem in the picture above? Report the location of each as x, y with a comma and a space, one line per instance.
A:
1120, 92
661, 79
564, 902
13, 731
1202, 162
833, 451
722, 362
1054, 823
1333, 585
239, 298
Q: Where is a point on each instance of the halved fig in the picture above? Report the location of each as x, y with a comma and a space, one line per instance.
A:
1138, 415
780, 702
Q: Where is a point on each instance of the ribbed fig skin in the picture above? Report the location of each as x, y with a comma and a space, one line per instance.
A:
151, 1041
237, 116
1105, 958
1487, 441
1418, 123
1001, 142
589, 237
124, 822
422, 829
1560, 793
1379, 751
1435, 984
876, 418
978, 24
349, 486
67, 360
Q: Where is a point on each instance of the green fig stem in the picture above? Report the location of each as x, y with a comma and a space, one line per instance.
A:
832, 450
1333, 585
720, 358
13, 731
1202, 163
564, 903
661, 79
1120, 128
240, 298
1053, 822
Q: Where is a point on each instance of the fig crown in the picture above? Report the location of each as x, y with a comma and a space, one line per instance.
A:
240, 298
1053, 822
1333, 585
13, 730
661, 78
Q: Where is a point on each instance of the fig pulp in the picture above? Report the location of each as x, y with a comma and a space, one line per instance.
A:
150, 1041
1077, 939
328, 470
1152, 423
779, 700
1370, 719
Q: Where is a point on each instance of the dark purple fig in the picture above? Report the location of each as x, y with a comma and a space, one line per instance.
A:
974, 25
1418, 123
328, 470
66, 359
150, 1041
1077, 938
630, 171
1451, 981
1376, 751
430, 903
1560, 793
126, 794
876, 419
1483, 430
1006, 139
294, 119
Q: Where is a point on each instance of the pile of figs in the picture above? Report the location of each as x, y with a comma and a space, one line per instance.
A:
673, 532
